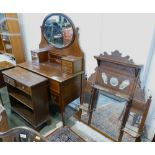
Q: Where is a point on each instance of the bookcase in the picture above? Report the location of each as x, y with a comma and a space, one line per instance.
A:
28, 94
10, 36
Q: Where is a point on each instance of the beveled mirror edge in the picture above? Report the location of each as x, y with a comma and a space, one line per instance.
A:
72, 24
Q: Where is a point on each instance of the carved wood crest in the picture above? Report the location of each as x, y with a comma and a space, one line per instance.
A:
117, 56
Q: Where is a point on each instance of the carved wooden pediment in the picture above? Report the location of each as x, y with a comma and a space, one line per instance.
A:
117, 56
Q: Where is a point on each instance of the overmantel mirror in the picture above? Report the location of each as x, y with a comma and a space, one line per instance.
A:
58, 30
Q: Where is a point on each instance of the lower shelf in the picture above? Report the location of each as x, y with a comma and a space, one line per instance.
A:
25, 114
22, 98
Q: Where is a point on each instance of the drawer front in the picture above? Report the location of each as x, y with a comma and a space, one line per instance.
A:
71, 89
67, 69
55, 98
23, 88
66, 63
54, 86
9, 80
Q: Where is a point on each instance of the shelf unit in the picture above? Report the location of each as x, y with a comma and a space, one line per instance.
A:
28, 94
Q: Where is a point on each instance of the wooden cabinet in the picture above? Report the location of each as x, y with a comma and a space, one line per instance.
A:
10, 36
28, 94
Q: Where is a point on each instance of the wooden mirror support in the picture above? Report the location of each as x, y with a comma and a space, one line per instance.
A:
64, 68
116, 77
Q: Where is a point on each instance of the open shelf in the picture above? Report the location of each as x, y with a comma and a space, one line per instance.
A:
23, 98
24, 112
32, 107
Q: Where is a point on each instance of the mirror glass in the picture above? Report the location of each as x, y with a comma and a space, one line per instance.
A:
58, 30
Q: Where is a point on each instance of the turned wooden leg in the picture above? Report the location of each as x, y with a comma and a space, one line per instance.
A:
81, 95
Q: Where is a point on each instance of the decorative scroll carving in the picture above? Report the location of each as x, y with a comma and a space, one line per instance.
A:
117, 56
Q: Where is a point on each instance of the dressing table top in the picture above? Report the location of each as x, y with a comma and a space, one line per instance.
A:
50, 70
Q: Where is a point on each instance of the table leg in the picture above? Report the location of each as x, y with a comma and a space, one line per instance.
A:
1, 99
81, 95
93, 102
124, 120
62, 115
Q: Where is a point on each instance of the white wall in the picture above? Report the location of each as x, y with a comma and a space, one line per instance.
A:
131, 34
150, 86
30, 26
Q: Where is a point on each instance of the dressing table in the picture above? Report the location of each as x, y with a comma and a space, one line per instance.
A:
60, 59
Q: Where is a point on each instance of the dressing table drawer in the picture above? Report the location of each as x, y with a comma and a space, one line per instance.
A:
71, 64
24, 88
9, 80
67, 63
54, 86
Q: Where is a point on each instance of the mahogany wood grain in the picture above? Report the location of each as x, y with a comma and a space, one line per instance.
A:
64, 87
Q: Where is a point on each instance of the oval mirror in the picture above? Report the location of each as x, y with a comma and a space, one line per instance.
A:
58, 30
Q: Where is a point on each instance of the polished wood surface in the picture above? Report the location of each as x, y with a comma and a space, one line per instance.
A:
28, 93
71, 64
15, 38
47, 61
119, 68
23, 76
50, 70
4, 65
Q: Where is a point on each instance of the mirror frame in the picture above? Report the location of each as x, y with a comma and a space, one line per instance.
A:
73, 27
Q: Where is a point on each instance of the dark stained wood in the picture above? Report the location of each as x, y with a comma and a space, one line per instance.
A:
49, 70
23, 76
153, 140
28, 94
47, 61
113, 66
